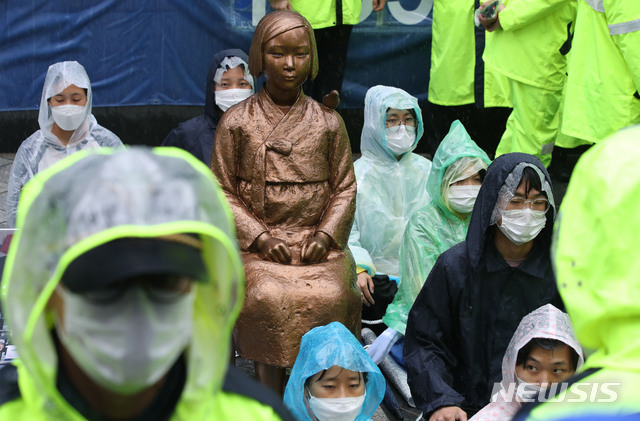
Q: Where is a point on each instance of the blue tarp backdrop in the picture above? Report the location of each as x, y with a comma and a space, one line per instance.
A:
147, 52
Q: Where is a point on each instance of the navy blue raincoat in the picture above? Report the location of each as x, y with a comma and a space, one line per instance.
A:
196, 135
471, 303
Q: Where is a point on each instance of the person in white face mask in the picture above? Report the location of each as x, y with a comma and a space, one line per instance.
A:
333, 378
391, 182
478, 291
453, 184
121, 288
66, 126
228, 83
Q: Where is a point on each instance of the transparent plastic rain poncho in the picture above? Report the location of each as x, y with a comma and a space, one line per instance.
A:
436, 227
389, 190
323, 347
545, 322
43, 148
92, 198
231, 62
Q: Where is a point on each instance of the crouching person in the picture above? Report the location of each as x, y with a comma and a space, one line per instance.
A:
121, 289
543, 353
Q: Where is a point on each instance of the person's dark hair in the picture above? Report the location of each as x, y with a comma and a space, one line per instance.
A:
482, 173
545, 343
531, 181
308, 381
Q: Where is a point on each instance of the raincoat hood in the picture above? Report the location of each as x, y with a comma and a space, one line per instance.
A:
59, 77
456, 144
545, 322
595, 251
210, 96
497, 178
323, 347
376, 102
138, 192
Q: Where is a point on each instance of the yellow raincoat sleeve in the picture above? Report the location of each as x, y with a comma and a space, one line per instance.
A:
520, 13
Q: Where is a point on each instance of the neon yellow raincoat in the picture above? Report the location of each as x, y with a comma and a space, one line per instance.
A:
530, 50
455, 40
597, 265
436, 227
87, 200
322, 13
604, 71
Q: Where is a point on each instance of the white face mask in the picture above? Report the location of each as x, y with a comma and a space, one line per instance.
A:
400, 138
128, 345
462, 198
68, 117
228, 97
522, 225
336, 409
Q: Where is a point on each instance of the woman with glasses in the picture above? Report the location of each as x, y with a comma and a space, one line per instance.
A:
391, 182
479, 290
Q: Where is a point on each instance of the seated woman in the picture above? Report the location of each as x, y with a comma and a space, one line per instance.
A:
284, 162
453, 184
333, 378
66, 126
228, 82
392, 185
543, 351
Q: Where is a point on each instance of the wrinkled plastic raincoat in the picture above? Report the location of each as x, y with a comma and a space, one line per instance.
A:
603, 86
436, 227
132, 193
472, 301
323, 347
597, 270
43, 148
545, 322
196, 135
389, 190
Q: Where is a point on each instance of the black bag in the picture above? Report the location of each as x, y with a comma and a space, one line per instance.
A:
384, 289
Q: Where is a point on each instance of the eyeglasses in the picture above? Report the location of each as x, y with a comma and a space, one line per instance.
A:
533, 204
393, 122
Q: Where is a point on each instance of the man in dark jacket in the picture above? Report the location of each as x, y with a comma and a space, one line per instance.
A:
228, 82
479, 290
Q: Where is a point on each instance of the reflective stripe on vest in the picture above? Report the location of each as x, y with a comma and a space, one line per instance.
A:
596, 5
624, 27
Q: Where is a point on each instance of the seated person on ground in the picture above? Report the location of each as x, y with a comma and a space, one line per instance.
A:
228, 82
333, 378
458, 168
543, 352
66, 126
121, 289
392, 185
478, 291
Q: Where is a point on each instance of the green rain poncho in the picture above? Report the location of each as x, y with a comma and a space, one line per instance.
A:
389, 190
436, 227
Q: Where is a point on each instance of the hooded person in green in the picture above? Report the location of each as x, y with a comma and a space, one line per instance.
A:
121, 288
596, 261
436, 227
